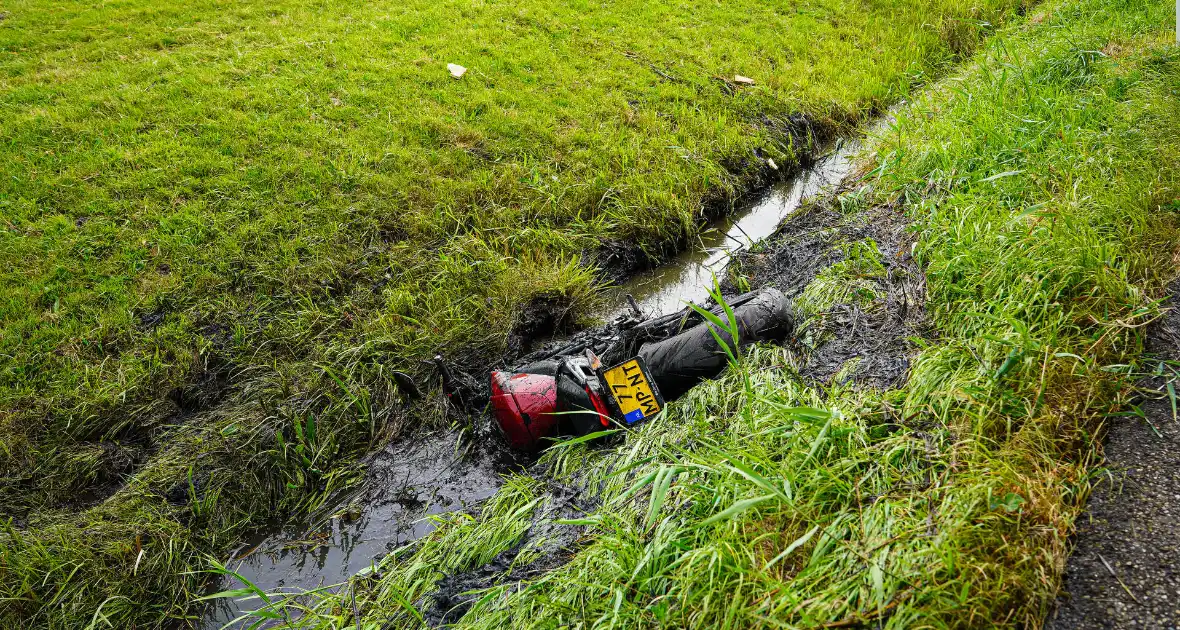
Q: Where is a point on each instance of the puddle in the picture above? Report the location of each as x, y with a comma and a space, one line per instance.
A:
405, 483
689, 276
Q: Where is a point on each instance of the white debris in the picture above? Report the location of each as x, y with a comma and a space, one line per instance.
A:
457, 70
740, 80
770, 161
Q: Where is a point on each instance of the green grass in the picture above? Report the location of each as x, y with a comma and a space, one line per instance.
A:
1043, 185
852, 280
222, 227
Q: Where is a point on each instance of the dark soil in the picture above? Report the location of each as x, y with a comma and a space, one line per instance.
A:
118, 463
457, 592
542, 318
878, 333
619, 259
1125, 568
123, 453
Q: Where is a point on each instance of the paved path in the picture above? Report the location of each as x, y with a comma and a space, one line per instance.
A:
1131, 528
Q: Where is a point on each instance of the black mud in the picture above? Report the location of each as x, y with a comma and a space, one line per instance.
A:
618, 259
879, 333
543, 318
1125, 568
556, 543
121, 454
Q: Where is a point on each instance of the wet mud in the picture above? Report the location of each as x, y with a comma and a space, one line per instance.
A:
405, 483
457, 470
543, 318
878, 334
556, 543
118, 456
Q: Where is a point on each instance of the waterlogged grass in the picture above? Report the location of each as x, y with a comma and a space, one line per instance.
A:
223, 229
1043, 185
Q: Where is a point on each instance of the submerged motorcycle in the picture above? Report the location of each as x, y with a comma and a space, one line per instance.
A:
625, 373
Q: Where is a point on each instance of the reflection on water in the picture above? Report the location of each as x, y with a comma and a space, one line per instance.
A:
405, 483
689, 276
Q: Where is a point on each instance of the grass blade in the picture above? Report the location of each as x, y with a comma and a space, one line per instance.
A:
736, 509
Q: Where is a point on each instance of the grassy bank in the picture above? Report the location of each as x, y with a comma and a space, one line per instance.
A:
224, 227
1043, 188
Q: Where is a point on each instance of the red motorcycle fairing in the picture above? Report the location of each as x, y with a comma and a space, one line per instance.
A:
524, 405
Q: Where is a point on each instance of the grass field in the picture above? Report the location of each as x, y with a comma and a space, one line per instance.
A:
1043, 187
223, 226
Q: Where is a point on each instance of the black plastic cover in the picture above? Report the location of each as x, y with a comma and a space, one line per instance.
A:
680, 362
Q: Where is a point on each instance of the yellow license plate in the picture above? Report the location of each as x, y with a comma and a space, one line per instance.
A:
635, 395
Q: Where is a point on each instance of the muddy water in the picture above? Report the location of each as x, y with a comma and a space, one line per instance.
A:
404, 484
689, 276
411, 480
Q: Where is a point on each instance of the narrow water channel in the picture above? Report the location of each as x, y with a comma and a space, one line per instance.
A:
413, 479
689, 276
